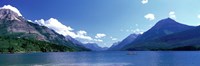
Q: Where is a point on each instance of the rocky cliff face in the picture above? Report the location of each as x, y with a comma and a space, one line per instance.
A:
17, 24
9, 15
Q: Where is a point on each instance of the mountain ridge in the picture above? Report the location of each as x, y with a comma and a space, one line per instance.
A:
164, 27
124, 42
161, 28
94, 47
185, 40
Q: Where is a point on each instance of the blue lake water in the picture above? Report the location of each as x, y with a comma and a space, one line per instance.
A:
109, 58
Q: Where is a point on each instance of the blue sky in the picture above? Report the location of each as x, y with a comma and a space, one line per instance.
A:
114, 18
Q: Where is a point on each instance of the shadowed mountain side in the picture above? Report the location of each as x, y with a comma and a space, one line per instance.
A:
180, 36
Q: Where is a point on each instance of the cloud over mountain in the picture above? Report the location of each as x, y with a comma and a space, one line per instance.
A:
62, 29
172, 15
149, 16
112, 38
58, 27
100, 35
83, 35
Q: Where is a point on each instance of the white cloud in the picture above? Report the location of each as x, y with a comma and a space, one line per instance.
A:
11, 8
93, 41
138, 31
29, 20
113, 38
83, 35
150, 16
172, 15
58, 27
198, 16
98, 40
144, 1
100, 35
85, 42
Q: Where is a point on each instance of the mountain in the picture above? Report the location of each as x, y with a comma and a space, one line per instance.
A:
94, 47
11, 23
15, 26
54, 37
76, 42
126, 41
185, 40
113, 45
162, 28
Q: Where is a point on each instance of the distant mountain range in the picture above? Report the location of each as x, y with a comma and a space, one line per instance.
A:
167, 34
95, 47
91, 46
14, 26
126, 41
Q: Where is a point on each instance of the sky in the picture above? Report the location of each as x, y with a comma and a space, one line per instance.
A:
105, 21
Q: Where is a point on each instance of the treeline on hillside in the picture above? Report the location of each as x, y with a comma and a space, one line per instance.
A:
21, 45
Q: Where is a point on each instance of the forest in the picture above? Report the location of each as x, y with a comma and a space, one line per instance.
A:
23, 45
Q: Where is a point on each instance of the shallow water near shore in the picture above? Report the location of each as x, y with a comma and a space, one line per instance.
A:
106, 58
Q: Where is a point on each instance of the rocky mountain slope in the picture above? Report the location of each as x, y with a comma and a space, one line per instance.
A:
13, 25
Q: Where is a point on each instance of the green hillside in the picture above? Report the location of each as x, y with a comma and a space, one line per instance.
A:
21, 45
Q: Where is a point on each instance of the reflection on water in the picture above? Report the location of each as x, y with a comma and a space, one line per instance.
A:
116, 58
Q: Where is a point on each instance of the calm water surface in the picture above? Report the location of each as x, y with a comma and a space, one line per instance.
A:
109, 58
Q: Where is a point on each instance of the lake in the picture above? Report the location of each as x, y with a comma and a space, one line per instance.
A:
107, 58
